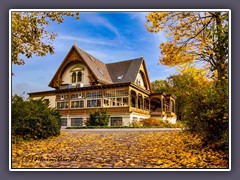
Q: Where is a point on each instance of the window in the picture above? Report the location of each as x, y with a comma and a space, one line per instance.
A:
110, 93
94, 99
62, 105
92, 58
62, 97
80, 76
121, 92
94, 103
62, 101
63, 121
116, 97
77, 74
120, 77
116, 121
94, 95
77, 104
73, 77
77, 96
100, 71
76, 121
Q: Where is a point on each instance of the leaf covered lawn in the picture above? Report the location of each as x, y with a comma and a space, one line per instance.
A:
117, 150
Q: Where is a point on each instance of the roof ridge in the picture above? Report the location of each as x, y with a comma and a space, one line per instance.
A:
124, 60
129, 69
89, 54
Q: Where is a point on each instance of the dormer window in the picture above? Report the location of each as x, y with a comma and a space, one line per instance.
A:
120, 77
73, 77
77, 74
92, 58
79, 79
100, 71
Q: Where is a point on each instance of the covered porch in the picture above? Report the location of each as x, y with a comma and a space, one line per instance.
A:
162, 105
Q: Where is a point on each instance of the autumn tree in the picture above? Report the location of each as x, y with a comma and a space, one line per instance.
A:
30, 34
159, 86
183, 85
193, 37
204, 106
200, 105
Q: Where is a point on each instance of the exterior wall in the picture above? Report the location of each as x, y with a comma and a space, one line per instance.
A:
139, 80
127, 118
128, 113
52, 100
68, 117
137, 117
67, 75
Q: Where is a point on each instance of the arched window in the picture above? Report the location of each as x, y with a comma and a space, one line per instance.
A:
79, 76
74, 77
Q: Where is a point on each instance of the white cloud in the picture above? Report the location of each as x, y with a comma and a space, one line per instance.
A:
98, 54
141, 18
85, 40
98, 20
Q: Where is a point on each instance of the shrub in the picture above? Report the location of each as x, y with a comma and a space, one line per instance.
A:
209, 116
34, 119
98, 118
151, 122
135, 123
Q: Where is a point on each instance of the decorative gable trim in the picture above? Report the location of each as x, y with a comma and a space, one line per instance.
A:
72, 56
100, 73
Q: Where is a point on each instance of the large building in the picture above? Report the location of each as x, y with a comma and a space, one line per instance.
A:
83, 83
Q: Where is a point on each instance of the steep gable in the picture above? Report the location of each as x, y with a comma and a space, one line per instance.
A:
144, 75
100, 73
97, 69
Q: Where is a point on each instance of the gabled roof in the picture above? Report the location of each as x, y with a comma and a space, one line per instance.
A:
118, 72
124, 71
98, 68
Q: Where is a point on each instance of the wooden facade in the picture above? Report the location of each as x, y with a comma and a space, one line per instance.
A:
83, 83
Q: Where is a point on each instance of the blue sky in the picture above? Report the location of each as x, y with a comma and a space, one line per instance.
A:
108, 36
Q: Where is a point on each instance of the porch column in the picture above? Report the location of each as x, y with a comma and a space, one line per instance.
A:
136, 101
68, 120
143, 108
